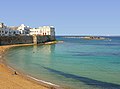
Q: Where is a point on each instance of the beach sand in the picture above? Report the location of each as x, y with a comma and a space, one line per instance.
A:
9, 80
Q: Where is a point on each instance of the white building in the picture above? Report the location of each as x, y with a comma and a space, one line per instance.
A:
13, 30
1, 25
23, 29
4, 31
26, 30
44, 30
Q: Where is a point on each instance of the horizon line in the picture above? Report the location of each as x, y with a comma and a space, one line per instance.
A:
86, 35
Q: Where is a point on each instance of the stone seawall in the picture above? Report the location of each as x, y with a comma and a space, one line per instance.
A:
10, 40
42, 39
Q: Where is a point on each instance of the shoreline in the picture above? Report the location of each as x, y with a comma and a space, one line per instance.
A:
9, 71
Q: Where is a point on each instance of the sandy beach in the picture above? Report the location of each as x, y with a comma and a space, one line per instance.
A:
10, 80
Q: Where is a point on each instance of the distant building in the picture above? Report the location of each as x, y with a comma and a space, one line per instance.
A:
4, 31
24, 30
1, 25
13, 30
44, 30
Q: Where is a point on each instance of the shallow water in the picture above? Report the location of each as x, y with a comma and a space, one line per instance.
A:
74, 64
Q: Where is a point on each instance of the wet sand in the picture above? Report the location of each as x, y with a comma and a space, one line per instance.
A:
9, 79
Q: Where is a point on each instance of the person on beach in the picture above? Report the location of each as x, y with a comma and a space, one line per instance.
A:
15, 73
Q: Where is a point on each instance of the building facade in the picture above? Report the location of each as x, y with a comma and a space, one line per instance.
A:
13, 30
4, 31
44, 30
24, 30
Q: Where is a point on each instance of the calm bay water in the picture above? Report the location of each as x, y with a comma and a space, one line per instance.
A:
74, 64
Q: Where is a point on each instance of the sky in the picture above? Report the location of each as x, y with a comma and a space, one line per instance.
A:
69, 17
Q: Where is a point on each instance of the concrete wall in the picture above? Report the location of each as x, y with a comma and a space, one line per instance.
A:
9, 40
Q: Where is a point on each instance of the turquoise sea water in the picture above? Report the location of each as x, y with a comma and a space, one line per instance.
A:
74, 64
